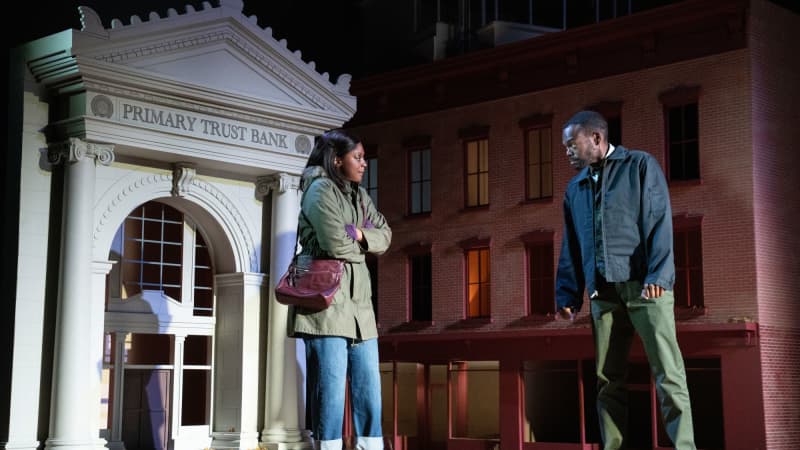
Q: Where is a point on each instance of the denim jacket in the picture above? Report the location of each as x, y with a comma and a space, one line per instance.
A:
636, 228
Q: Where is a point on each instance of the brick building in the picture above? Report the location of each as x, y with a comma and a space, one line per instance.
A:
466, 164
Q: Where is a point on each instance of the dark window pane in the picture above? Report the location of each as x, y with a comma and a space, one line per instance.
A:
675, 124
173, 293
173, 253
152, 230
153, 210
690, 121
676, 169
151, 273
615, 130
133, 228
197, 350
196, 387
150, 349
692, 161
152, 252
173, 232
171, 275
421, 287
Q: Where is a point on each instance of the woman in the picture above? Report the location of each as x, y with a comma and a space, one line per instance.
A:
338, 220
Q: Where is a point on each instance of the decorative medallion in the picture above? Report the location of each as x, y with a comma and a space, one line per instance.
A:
302, 145
102, 106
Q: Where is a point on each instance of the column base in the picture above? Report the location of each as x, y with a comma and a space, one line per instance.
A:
73, 444
286, 439
231, 440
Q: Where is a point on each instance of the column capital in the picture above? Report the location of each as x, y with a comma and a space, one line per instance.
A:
280, 182
76, 150
183, 174
102, 267
241, 279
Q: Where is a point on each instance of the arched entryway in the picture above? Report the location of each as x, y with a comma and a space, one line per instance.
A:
159, 330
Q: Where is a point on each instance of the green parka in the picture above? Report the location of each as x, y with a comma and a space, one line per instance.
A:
326, 210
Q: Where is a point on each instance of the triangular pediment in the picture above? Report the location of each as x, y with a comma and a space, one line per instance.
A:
222, 68
216, 50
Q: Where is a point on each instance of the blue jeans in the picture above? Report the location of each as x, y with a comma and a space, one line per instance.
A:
330, 361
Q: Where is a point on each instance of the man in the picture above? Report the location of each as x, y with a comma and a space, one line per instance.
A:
617, 246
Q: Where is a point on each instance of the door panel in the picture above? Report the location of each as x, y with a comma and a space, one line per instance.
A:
146, 405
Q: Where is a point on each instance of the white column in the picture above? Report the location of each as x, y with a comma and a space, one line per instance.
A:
284, 405
177, 385
73, 417
119, 379
237, 353
100, 270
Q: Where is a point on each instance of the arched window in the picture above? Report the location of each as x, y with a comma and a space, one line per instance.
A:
158, 248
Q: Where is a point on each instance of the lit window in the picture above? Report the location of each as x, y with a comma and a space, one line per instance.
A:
477, 172
478, 302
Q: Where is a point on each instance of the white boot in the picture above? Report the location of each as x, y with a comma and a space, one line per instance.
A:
369, 443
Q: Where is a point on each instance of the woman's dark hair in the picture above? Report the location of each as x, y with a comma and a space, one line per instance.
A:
329, 146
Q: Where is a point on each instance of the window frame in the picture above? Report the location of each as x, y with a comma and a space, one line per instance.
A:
413, 145
610, 110
480, 246
527, 125
412, 252
370, 157
533, 241
680, 97
467, 136
685, 224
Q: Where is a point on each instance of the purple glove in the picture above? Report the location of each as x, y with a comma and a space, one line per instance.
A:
350, 229
368, 224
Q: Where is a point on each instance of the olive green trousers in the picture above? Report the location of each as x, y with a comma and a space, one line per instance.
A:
617, 311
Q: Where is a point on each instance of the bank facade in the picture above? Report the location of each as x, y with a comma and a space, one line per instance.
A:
157, 168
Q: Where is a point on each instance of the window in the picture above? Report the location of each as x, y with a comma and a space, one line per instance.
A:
681, 125
541, 284
477, 172
688, 242
612, 112
538, 163
153, 250
159, 249
420, 181
478, 301
370, 179
420, 268
196, 381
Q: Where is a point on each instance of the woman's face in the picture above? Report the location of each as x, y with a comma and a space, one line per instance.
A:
352, 164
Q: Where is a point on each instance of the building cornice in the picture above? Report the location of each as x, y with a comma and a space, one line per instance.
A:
678, 32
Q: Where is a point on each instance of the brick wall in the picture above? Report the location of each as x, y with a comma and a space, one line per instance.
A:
724, 198
776, 92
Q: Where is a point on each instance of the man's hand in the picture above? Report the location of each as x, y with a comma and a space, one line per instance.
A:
566, 313
652, 291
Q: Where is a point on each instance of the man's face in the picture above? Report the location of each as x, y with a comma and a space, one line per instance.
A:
582, 148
